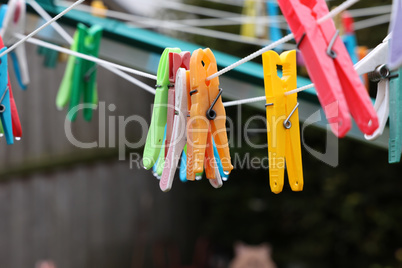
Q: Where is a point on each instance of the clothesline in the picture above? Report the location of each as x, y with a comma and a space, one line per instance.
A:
287, 38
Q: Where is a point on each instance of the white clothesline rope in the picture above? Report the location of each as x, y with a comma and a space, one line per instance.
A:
84, 56
70, 40
287, 38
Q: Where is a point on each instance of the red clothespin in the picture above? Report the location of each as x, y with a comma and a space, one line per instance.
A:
338, 85
347, 23
15, 119
176, 61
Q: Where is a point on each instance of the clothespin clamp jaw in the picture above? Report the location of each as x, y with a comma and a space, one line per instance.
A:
282, 121
205, 97
159, 113
14, 22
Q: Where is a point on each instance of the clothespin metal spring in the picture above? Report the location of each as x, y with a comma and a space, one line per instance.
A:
330, 52
211, 114
286, 123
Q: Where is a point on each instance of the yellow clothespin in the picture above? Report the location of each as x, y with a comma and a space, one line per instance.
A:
282, 121
98, 8
249, 10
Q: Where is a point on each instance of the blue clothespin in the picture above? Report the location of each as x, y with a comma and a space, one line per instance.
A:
349, 37
275, 32
224, 176
183, 165
5, 107
12, 17
351, 45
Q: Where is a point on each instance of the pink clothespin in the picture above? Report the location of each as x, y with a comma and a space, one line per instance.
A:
176, 61
338, 85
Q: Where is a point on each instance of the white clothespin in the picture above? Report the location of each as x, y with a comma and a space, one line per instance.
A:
178, 139
14, 23
374, 64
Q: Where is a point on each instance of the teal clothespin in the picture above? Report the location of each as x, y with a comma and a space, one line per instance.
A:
395, 118
80, 76
51, 56
154, 140
5, 107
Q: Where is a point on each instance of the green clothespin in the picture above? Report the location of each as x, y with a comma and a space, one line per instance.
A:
395, 117
159, 114
80, 76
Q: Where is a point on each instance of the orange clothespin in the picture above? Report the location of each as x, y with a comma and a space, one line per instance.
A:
206, 111
362, 52
282, 121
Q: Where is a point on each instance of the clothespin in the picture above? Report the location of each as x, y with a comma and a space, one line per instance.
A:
159, 113
14, 22
178, 136
249, 10
395, 55
389, 99
5, 106
50, 56
183, 167
275, 32
395, 118
362, 52
160, 162
15, 119
374, 65
206, 110
338, 86
222, 174
98, 8
80, 76
176, 61
282, 121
